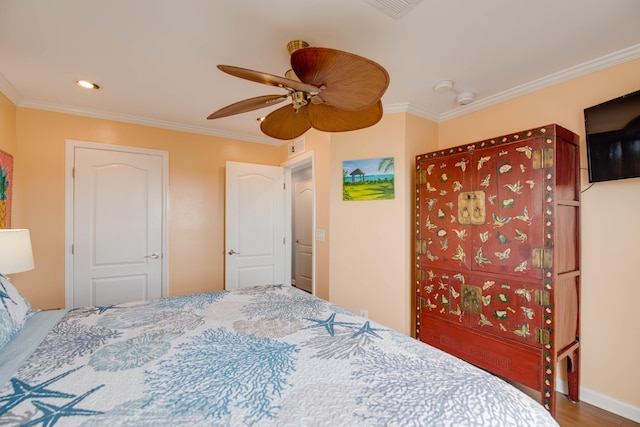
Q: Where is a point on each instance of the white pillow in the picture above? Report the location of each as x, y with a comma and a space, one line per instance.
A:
14, 310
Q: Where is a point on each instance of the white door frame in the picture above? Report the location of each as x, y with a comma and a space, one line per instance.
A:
71, 145
299, 162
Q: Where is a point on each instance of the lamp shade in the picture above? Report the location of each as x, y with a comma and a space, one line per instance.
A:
15, 251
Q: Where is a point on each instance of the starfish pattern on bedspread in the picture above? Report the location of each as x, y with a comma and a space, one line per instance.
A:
367, 329
53, 413
22, 391
330, 323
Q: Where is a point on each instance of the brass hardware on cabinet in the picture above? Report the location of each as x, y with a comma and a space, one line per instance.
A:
543, 158
421, 275
471, 207
421, 247
421, 303
471, 299
422, 177
542, 297
542, 258
543, 336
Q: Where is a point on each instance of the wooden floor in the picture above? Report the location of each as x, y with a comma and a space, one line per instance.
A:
569, 414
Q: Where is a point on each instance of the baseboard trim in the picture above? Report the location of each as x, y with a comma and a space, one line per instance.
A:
603, 402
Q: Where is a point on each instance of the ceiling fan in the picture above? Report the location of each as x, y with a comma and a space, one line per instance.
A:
330, 90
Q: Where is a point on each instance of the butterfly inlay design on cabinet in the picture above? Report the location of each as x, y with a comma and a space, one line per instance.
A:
497, 242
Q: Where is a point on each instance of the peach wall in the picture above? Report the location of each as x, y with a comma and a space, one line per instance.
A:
320, 144
196, 201
369, 239
372, 241
610, 337
7, 125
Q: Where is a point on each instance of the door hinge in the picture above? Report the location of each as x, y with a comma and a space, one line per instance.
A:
421, 247
543, 158
421, 275
543, 336
73, 173
542, 298
542, 258
72, 249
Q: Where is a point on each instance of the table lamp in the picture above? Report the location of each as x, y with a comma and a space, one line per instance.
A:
15, 251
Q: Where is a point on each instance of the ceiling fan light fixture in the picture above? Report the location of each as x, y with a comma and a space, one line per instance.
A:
299, 100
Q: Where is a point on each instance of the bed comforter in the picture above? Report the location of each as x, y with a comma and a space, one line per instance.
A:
267, 355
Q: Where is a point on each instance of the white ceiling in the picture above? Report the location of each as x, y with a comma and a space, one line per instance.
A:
156, 59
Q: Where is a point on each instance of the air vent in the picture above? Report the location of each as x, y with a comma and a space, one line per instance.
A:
393, 8
296, 147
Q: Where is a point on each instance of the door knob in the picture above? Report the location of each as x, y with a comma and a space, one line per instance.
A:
153, 256
231, 252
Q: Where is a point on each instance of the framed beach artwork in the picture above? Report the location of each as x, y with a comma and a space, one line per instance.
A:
369, 179
6, 186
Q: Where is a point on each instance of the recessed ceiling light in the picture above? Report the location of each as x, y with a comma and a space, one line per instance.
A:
86, 84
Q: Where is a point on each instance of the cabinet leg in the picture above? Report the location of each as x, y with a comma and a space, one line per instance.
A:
573, 375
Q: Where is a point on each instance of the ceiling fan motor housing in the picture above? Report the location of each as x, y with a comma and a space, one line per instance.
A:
294, 45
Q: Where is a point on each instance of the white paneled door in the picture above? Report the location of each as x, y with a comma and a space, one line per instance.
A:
255, 225
117, 226
303, 234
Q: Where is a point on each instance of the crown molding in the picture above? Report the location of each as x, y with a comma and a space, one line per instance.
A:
10, 92
615, 58
163, 124
412, 109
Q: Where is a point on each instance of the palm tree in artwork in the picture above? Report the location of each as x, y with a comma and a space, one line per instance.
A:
386, 165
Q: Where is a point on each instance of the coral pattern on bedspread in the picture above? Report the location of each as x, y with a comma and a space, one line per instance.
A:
266, 355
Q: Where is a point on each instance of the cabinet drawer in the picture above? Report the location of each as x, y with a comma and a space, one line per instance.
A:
511, 309
519, 363
495, 305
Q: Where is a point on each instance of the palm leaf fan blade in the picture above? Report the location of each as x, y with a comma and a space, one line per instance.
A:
247, 105
267, 79
348, 81
286, 123
330, 119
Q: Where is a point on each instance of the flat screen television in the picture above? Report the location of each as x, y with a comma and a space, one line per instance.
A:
613, 138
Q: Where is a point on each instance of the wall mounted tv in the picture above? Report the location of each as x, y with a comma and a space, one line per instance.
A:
613, 138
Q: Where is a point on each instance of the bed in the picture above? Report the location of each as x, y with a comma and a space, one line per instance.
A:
258, 356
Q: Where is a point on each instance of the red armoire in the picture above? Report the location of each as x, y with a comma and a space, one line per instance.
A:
498, 255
